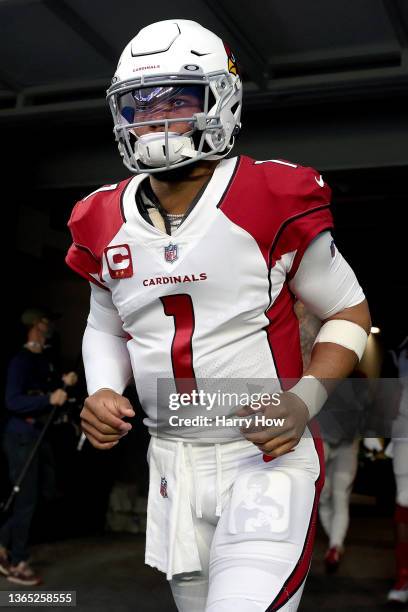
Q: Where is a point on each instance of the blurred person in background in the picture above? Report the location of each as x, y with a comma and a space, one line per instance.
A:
399, 592
32, 389
340, 422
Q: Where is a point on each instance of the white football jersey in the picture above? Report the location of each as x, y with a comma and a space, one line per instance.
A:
212, 300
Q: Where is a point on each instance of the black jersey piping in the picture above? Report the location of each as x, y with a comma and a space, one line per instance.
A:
237, 165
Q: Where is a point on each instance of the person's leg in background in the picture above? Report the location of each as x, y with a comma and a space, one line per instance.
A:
399, 592
6, 522
343, 472
4, 527
47, 472
51, 518
15, 533
325, 504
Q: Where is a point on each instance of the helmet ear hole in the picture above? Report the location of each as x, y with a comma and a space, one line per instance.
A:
236, 131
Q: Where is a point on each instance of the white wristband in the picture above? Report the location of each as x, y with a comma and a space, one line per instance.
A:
346, 333
312, 392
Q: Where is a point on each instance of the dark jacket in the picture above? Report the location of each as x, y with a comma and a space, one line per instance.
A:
30, 379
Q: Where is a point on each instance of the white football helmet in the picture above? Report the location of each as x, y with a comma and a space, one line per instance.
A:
176, 97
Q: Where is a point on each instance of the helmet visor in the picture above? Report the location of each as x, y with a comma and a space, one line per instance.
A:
148, 109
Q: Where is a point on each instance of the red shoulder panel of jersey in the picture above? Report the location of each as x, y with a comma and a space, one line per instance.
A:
94, 221
282, 205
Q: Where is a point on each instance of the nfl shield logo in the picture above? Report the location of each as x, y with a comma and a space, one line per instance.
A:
163, 487
171, 252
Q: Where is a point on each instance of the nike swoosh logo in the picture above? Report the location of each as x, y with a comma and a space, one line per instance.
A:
319, 181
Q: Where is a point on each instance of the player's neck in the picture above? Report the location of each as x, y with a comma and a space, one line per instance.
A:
175, 196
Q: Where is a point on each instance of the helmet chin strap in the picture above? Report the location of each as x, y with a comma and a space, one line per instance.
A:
151, 149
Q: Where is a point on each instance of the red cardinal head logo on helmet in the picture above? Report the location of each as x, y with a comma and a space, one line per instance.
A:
232, 62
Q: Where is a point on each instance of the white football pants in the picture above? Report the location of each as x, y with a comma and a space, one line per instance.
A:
256, 554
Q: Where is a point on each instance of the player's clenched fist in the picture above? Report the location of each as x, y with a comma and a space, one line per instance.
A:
278, 428
102, 418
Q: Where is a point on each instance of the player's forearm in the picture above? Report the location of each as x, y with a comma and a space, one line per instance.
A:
330, 360
331, 363
338, 348
106, 361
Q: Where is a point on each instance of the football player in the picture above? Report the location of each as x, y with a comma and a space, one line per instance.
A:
194, 264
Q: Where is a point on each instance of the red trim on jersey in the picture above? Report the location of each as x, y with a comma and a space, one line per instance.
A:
301, 569
284, 338
94, 222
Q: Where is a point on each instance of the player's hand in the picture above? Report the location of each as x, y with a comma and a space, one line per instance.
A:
58, 397
101, 418
70, 379
277, 439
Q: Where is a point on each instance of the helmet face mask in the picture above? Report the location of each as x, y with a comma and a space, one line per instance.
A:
167, 120
151, 107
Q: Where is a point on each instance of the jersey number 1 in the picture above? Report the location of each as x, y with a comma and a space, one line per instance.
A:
180, 307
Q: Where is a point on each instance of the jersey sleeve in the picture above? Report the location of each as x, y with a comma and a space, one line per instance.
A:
324, 281
306, 214
93, 223
103, 315
84, 263
104, 346
80, 257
